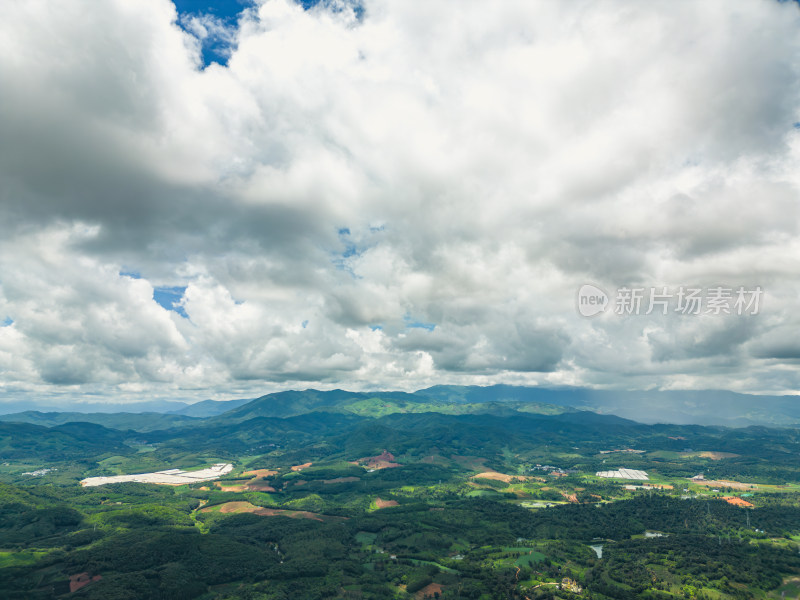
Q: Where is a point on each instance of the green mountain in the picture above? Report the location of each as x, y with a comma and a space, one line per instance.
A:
62, 442
209, 408
377, 404
291, 403
147, 421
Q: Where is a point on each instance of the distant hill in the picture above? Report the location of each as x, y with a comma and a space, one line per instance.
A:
209, 408
157, 406
700, 407
682, 407
375, 405
291, 403
148, 421
62, 442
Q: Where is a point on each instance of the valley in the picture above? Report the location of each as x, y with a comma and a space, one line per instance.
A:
338, 495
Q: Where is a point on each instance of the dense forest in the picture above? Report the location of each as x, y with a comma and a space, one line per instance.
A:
356, 498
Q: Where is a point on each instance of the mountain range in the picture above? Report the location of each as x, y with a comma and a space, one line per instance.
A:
700, 407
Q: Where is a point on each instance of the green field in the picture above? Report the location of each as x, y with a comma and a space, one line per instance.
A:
17, 559
529, 559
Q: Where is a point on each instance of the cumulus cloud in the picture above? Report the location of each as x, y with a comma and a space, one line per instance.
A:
394, 195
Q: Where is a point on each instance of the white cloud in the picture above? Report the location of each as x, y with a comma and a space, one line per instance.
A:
486, 162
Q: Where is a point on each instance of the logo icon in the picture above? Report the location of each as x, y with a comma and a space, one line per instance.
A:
591, 300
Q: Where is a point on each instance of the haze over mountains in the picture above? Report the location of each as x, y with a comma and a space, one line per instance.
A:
701, 407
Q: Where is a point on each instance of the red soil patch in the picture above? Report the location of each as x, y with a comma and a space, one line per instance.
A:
429, 591
499, 476
301, 467
717, 455
723, 483
341, 480
382, 464
254, 485
230, 488
260, 486
261, 473
81, 580
294, 514
385, 503
233, 507
385, 460
246, 507
737, 501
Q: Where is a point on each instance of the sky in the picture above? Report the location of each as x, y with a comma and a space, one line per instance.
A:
223, 199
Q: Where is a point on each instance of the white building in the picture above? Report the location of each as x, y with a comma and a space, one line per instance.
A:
624, 474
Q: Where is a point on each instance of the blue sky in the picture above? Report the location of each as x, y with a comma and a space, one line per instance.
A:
214, 50
170, 297
228, 11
